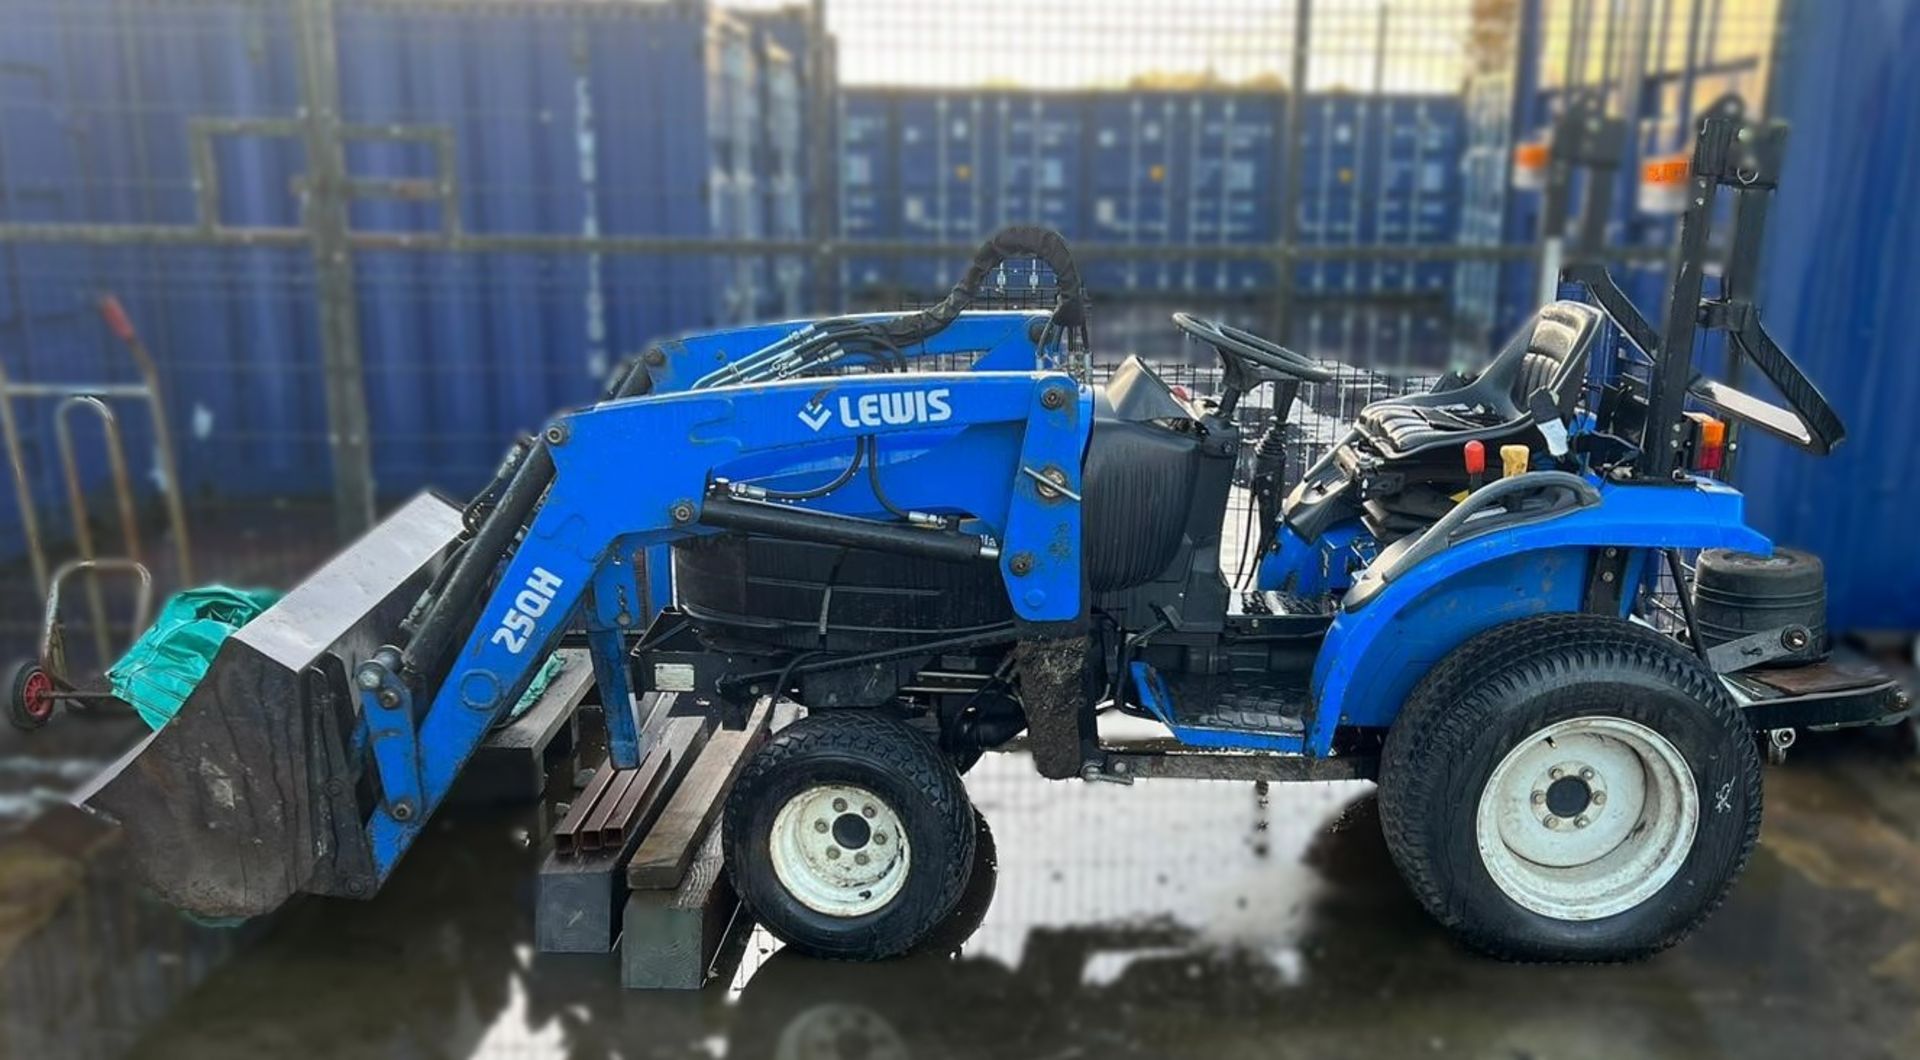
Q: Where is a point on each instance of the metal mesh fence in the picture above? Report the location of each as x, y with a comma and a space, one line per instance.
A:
370, 240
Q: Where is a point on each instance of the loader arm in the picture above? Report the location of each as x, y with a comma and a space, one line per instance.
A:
992, 340
979, 340
989, 463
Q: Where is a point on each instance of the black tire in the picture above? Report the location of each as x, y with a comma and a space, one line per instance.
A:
976, 898
30, 699
1736, 594
918, 785
1508, 684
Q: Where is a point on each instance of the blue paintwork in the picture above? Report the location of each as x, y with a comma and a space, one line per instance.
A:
396, 748
461, 350
1317, 567
995, 341
604, 505
608, 647
1373, 657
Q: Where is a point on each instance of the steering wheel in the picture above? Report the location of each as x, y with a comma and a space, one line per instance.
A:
1251, 349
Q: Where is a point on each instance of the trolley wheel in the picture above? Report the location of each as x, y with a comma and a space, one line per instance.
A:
30, 695
1570, 787
850, 836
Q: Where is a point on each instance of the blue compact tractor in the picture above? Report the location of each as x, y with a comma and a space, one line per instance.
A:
931, 531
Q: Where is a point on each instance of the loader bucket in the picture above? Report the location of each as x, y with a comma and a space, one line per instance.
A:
253, 791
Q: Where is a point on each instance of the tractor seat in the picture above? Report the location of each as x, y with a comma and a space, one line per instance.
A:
1549, 354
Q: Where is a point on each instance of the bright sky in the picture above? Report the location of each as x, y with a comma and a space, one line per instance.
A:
1077, 43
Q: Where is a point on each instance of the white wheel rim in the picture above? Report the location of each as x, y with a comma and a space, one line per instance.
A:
1587, 818
840, 850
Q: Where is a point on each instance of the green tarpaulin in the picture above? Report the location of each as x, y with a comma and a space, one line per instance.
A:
161, 669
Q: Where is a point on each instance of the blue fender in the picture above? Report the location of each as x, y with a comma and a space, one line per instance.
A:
1374, 655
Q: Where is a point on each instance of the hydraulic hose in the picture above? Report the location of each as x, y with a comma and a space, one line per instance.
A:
1016, 241
450, 613
775, 520
451, 610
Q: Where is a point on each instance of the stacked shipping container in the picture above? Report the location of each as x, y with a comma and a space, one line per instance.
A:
1167, 168
1385, 170
1689, 55
562, 118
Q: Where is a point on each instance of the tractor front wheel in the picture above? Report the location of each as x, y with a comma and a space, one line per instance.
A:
1570, 787
850, 836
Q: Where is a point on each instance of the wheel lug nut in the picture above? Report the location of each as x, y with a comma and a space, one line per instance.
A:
1581, 821
866, 811
833, 853
1539, 798
820, 826
1599, 798
1556, 773
1551, 822
879, 837
859, 859
839, 806
1586, 774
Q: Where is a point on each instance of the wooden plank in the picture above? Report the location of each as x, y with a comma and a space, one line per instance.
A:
579, 896
669, 938
566, 691
670, 846
511, 765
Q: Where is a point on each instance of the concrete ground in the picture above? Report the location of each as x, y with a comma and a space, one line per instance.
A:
1166, 919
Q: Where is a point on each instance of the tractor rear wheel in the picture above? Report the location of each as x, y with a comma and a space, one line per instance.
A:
850, 836
1570, 787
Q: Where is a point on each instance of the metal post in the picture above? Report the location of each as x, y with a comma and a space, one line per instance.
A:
1290, 180
823, 160
1667, 387
336, 301
22, 489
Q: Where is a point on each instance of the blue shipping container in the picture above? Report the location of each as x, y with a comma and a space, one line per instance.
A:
1838, 293
563, 118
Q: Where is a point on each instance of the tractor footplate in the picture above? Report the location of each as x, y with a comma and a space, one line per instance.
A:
1248, 711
